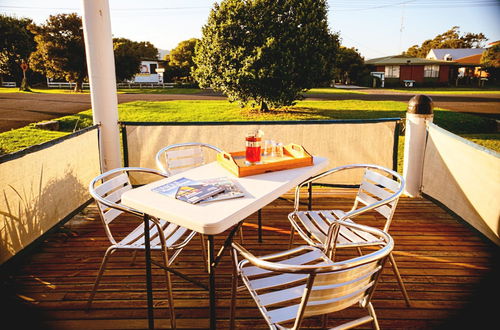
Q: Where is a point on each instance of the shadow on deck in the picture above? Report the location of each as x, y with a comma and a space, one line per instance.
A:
450, 272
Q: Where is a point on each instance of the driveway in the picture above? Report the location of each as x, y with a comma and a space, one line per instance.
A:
20, 109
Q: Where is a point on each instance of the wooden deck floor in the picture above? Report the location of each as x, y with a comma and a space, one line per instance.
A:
447, 267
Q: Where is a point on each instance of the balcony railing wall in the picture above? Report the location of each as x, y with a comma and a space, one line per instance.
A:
42, 185
464, 177
341, 141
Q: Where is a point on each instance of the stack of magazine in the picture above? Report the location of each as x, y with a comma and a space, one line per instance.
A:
201, 191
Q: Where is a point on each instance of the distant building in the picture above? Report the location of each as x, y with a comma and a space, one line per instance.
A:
402, 70
147, 72
468, 60
454, 54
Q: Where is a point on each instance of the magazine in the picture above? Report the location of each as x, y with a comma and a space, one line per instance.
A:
188, 190
195, 193
231, 189
201, 191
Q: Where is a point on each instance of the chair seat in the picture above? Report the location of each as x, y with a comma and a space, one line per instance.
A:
173, 234
318, 222
270, 289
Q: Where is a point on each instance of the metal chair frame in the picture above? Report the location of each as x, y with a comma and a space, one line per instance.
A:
164, 236
188, 155
306, 274
376, 192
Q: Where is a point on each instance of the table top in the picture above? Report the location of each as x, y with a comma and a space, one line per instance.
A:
216, 217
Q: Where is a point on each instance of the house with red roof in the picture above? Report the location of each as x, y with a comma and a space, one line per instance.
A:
409, 71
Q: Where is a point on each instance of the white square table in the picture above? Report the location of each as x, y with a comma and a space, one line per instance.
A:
215, 217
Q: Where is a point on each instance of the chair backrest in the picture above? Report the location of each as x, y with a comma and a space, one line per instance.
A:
379, 184
107, 190
179, 157
330, 286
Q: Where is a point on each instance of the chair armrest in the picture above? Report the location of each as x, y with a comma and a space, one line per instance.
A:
266, 263
120, 207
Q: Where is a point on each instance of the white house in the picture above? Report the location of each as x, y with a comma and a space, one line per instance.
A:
148, 73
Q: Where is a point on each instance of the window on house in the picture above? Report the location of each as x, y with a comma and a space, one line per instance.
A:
392, 71
431, 71
152, 68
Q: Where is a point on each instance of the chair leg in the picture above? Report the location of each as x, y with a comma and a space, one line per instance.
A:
102, 268
241, 235
204, 249
292, 234
170, 296
134, 256
371, 310
234, 288
400, 280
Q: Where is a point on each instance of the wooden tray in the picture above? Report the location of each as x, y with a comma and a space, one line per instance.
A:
294, 156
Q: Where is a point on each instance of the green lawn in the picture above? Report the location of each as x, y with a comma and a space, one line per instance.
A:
477, 129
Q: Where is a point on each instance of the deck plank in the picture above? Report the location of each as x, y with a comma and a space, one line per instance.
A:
445, 265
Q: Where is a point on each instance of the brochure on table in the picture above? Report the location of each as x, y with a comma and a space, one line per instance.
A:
201, 191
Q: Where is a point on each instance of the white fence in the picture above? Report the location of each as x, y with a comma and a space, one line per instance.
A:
145, 85
52, 84
464, 177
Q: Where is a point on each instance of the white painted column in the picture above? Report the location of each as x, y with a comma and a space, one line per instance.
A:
419, 112
101, 70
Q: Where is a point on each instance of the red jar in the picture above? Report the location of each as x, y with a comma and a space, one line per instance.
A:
252, 149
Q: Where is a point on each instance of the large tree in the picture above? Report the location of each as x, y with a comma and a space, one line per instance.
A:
180, 60
349, 65
128, 56
449, 39
16, 45
490, 60
60, 51
265, 51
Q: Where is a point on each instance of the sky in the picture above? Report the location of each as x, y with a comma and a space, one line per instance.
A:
375, 28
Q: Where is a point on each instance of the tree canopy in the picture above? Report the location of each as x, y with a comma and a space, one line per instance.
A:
16, 45
449, 39
266, 52
60, 50
491, 62
128, 56
180, 61
349, 65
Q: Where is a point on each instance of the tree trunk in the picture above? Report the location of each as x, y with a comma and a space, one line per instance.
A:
264, 107
78, 86
25, 86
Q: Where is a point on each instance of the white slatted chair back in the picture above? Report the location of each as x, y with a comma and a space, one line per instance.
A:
107, 190
303, 282
379, 190
177, 158
376, 187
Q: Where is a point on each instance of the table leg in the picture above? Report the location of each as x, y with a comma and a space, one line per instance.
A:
149, 282
309, 190
259, 220
211, 275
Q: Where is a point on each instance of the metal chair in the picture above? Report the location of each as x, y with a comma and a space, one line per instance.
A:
165, 237
303, 282
179, 157
379, 190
